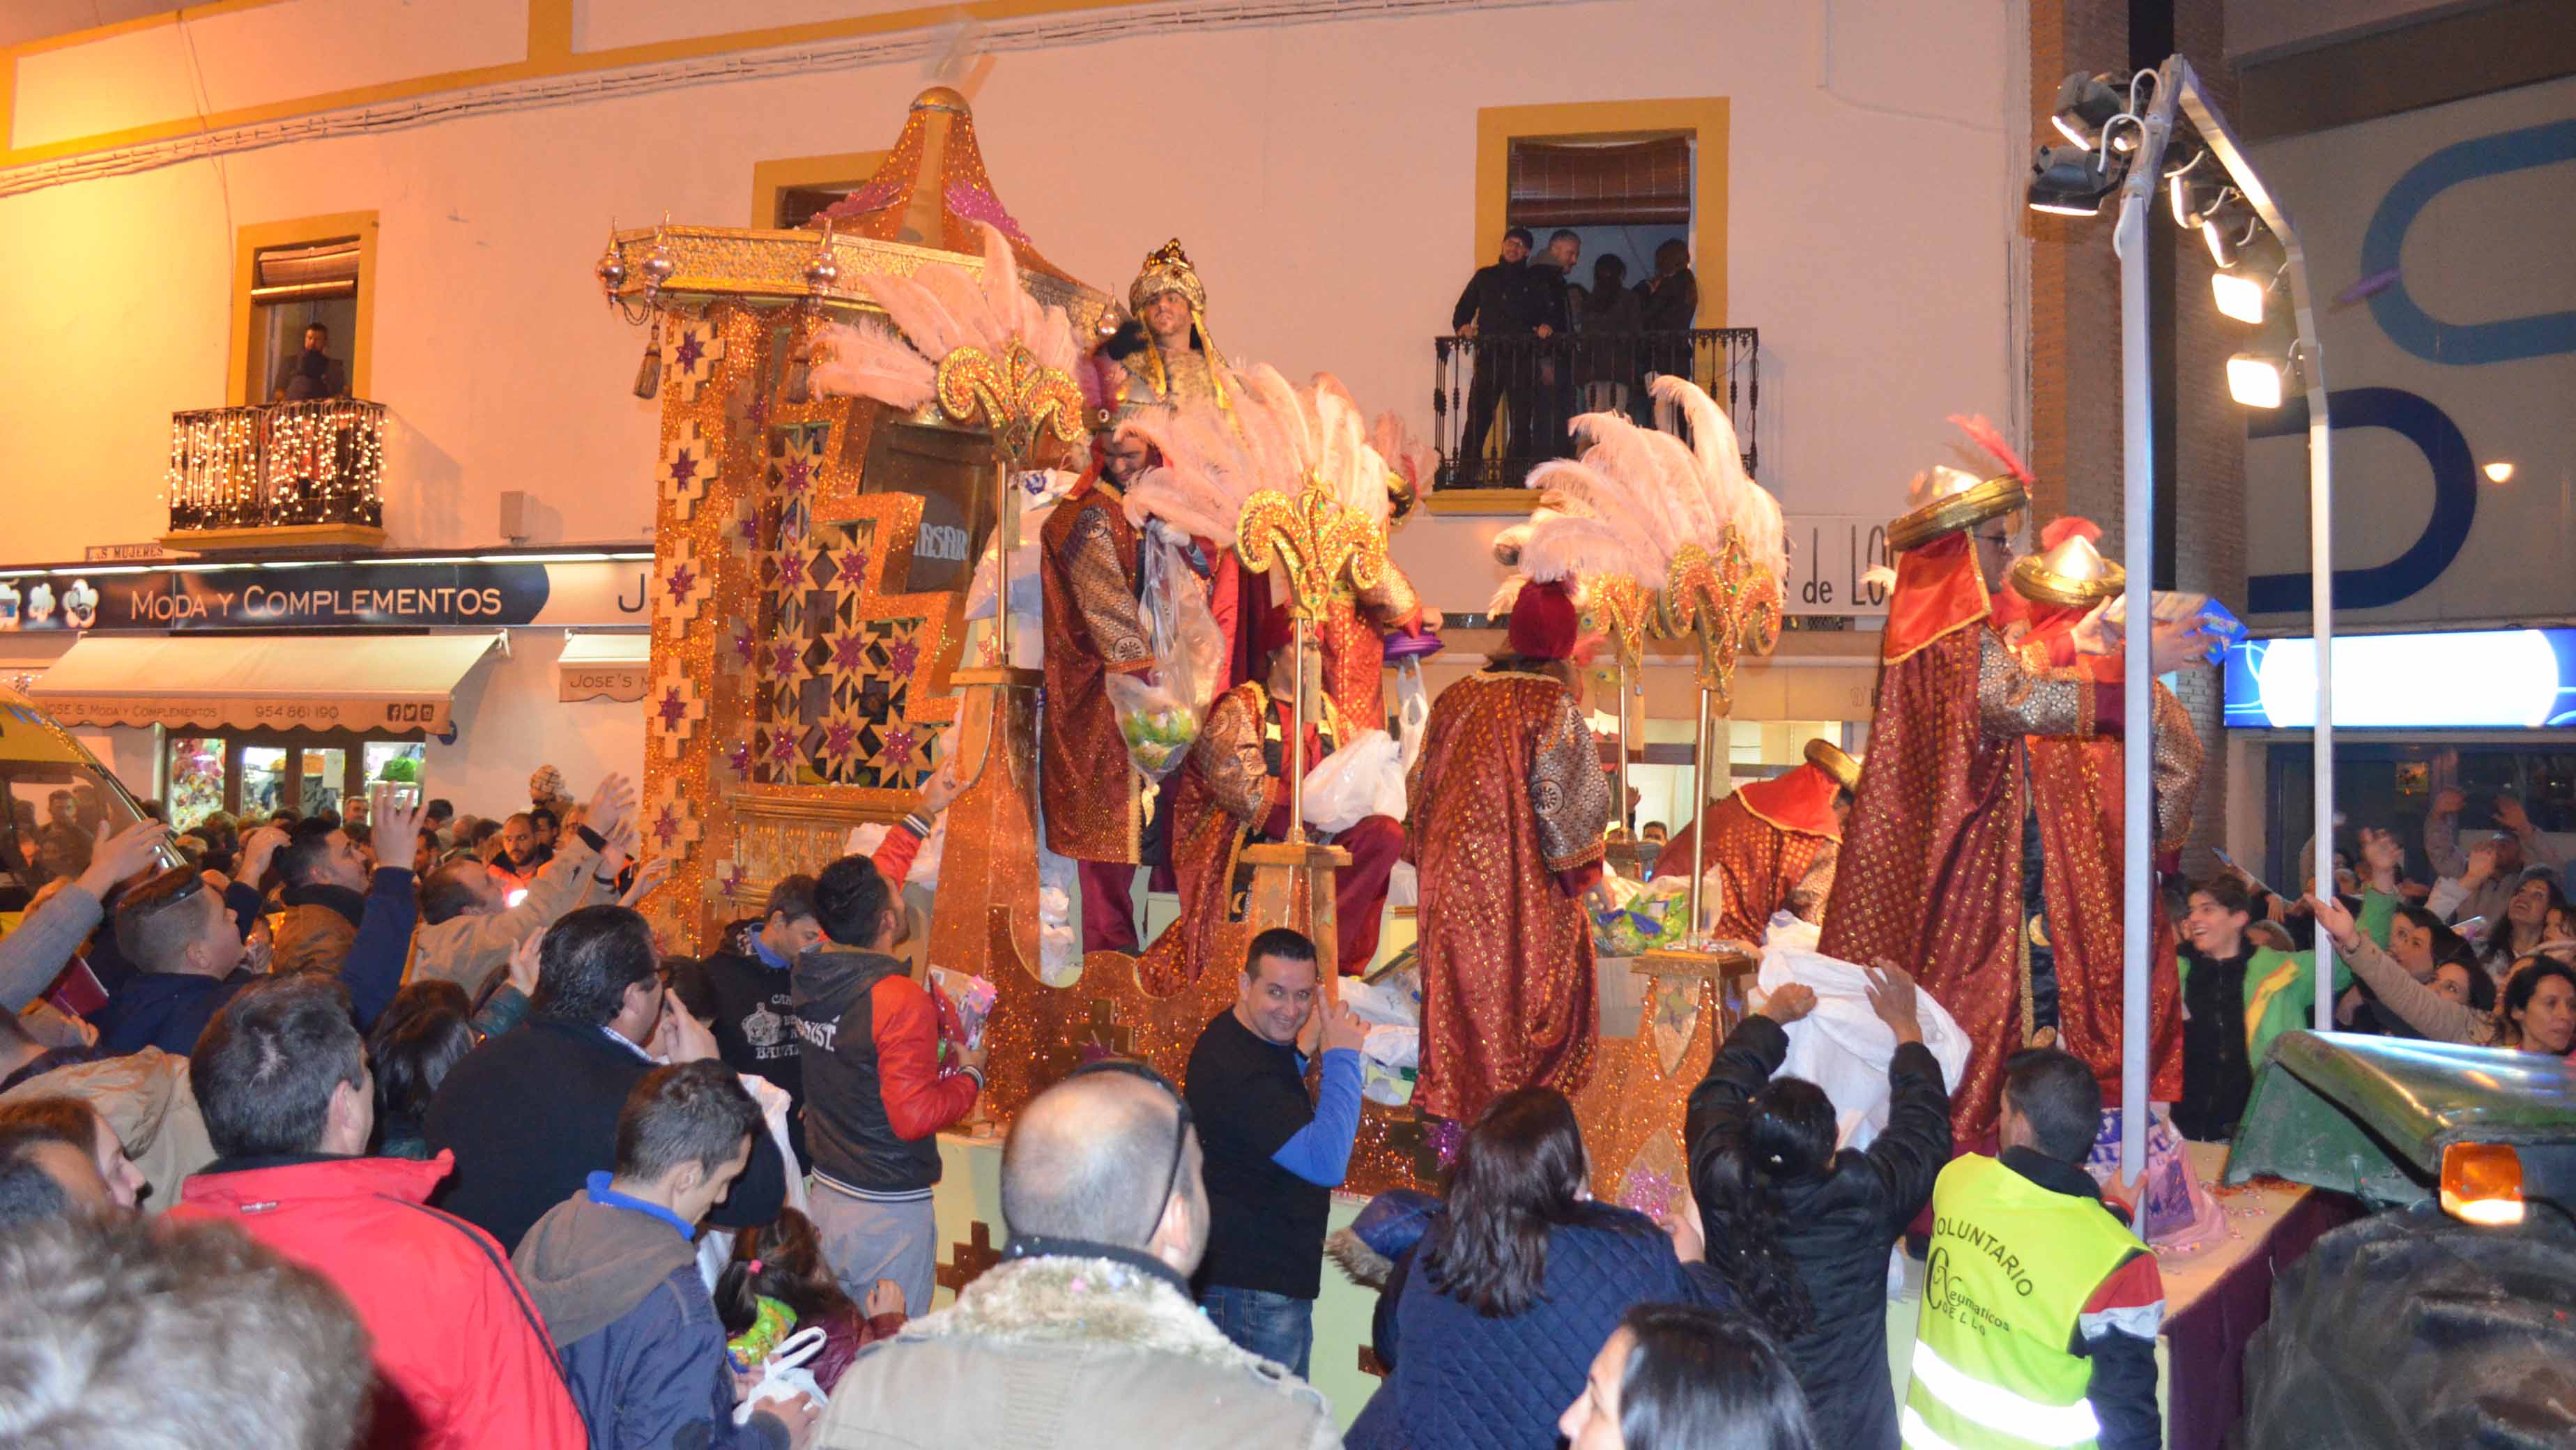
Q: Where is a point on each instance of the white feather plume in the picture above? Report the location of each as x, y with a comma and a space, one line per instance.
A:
923, 319
867, 360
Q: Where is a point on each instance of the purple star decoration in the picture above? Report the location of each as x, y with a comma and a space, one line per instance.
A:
782, 749
902, 658
684, 468
782, 658
791, 570
666, 826
898, 749
739, 758
849, 653
682, 580
673, 709
797, 472
839, 739
691, 348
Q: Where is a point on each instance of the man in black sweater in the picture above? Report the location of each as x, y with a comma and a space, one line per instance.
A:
2217, 1076
1272, 1157
1504, 306
531, 1114
750, 985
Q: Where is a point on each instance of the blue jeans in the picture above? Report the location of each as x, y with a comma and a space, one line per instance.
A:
1273, 1326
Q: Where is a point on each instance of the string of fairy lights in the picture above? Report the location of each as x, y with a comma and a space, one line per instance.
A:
318, 462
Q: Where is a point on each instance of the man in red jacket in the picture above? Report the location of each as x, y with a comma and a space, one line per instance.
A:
461, 1357
876, 1089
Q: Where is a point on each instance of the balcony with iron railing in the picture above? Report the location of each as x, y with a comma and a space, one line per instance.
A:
277, 475
1502, 403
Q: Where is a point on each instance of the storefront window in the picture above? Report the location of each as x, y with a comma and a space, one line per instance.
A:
263, 782
398, 761
196, 779
325, 770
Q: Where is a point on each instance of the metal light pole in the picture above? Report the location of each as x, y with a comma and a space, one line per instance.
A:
2178, 89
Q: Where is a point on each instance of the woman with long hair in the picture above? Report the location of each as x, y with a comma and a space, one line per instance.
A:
2539, 1013
778, 1283
1503, 1302
2526, 921
1802, 1232
423, 1032
1678, 1377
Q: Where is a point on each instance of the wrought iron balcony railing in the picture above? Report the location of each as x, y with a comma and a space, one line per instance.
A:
1502, 403
277, 466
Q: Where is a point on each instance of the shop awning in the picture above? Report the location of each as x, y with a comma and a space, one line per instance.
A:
605, 667
396, 685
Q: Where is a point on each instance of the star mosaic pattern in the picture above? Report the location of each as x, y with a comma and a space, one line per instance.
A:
688, 466
690, 350
674, 709
681, 586
834, 687
669, 826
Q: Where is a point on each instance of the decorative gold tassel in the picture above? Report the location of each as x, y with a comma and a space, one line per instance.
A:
648, 373
798, 385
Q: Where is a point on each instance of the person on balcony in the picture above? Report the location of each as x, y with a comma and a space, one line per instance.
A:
312, 373
1504, 304
1668, 308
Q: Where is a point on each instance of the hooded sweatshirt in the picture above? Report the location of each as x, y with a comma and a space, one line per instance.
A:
616, 1281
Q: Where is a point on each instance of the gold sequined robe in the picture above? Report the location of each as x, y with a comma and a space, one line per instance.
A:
1353, 634
1507, 805
1930, 870
2077, 788
1087, 569
1773, 845
1225, 794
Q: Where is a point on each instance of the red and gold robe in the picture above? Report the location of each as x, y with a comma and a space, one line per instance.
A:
1229, 795
1773, 845
1087, 569
2076, 790
1930, 875
1506, 809
1353, 634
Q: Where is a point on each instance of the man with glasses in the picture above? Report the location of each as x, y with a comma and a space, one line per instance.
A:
1084, 1335
1273, 1157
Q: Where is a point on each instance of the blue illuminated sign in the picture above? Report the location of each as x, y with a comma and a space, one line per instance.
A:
2503, 679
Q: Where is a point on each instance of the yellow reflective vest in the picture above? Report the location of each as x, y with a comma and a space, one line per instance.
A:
2011, 1265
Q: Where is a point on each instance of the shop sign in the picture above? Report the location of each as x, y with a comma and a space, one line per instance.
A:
627, 683
462, 595
2495, 679
144, 553
1828, 554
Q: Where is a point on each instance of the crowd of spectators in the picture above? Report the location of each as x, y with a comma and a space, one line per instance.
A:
465, 1120
2479, 949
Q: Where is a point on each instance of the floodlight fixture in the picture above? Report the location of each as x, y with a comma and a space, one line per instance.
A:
2071, 181
2086, 106
2258, 379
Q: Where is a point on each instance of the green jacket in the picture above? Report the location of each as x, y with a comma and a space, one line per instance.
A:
2281, 987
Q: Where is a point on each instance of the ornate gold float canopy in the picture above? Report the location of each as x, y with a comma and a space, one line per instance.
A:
921, 206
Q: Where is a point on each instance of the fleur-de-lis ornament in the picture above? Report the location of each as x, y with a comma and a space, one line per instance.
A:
1021, 399
1327, 548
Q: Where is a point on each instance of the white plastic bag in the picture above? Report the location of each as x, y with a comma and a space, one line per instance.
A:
1843, 1048
1364, 778
784, 1376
